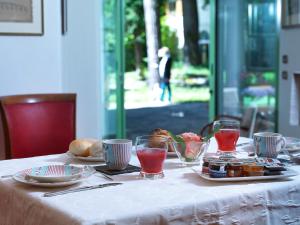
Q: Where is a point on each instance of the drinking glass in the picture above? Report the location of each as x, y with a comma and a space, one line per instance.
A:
151, 151
227, 133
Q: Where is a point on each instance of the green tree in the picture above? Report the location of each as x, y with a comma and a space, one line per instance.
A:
191, 34
169, 38
135, 38
151, 17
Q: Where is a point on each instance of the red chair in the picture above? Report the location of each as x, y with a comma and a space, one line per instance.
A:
37, 124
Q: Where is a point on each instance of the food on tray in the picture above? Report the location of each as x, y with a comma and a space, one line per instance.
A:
86, 147
253, 169
192, 146
220, 168
155, 141
235, 169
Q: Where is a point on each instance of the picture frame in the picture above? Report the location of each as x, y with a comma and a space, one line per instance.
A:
21, 17
290, 13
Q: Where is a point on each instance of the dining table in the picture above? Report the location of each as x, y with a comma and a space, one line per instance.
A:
181, 197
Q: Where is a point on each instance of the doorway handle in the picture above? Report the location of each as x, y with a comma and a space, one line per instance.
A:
212, 69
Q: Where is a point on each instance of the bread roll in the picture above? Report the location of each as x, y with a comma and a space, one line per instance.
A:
95, 150
155, 141
80, 147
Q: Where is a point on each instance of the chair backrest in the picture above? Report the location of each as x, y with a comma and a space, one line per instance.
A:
247, 122
37, 124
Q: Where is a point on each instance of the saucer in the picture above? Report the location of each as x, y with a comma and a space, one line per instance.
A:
53, 173
87, 159
22, 177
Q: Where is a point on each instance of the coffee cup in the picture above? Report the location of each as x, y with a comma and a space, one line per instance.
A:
117, 153
268, 144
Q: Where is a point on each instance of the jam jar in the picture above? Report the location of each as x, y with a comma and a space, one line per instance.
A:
235, 169
205, 165
218, 169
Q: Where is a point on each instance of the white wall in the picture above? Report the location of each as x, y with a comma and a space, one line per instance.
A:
81, 64
32, 64
289, 45
56, 63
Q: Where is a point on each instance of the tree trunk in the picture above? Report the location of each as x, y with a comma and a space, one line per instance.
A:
191, 32
152, 42
138, 54
157, 8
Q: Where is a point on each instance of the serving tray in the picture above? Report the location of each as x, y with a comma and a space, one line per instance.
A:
285, 174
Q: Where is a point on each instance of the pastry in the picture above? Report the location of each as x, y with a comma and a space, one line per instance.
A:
80, 147
95, 150
155, 140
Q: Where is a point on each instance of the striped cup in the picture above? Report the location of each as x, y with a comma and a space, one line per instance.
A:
117, 153
268, 144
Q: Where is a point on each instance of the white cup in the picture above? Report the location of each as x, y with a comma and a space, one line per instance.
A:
268, 144
117, 153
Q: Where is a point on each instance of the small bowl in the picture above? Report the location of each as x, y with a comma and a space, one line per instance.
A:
191, 152
292, 144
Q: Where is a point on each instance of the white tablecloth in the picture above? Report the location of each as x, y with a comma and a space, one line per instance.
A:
182, 197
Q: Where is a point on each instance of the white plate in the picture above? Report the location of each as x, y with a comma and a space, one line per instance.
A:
292, 149
285, 174
53, 173
292, 144
23, 178
87, 159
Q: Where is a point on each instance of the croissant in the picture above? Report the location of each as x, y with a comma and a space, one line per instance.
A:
155, 140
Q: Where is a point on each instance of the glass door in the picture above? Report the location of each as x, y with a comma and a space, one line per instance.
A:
112, 77
212, 61
246, 59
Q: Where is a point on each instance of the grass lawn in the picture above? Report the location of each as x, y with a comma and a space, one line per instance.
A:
137, 91
186, 87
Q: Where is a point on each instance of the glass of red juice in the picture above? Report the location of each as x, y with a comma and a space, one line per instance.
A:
151, 151
227, 132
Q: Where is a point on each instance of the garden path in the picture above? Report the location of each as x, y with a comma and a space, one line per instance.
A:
177, 118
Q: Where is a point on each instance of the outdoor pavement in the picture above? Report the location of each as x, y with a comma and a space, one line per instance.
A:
177, 118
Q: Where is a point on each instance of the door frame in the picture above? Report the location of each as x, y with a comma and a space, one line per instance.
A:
277, 67
120, 68
213, 103
212, 62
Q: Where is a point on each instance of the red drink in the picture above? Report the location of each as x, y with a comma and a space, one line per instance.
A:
151, 159
226, 139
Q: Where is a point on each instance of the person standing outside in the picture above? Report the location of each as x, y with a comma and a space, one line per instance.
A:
165, 65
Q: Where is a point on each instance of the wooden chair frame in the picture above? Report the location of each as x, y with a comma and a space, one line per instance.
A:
209, 127
5, 148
